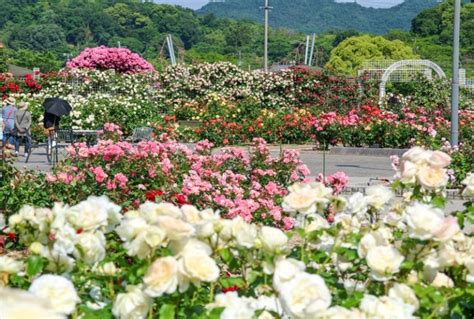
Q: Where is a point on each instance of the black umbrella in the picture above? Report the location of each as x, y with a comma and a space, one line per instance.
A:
57, 106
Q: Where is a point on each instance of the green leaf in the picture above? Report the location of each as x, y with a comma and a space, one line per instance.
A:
225, 255
104, 313
216, 313
439, 201
167, 311
35, 265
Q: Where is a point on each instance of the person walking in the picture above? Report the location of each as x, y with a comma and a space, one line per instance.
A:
22, 127
8, 115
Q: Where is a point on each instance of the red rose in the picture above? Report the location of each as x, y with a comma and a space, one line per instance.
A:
151, 195
11, 236
231, 288
181, 199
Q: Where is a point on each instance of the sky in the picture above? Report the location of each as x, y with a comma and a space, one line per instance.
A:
196, 4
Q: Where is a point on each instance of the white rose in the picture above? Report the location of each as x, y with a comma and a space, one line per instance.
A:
15, 219
107, 269
469, 183
338, 312
245, 234
2, 221
378, 195
57, 260
273, 239
305, 296
150, 211
307, 198
285, 270
191, 214
385, 308
407, 172
27, 213
384, 261
423, 220
442, 280
357, 204
175, 229
92, 247
417, 155
432, 177
197, 266
447, 230
316, 224
161, 277
65, 239
146, 242
370, 240
87, 216
131, 226
10, 266
58, 290
439, 159
469, 264
192, 244
36, 248
134, 304
20, 304
406, 294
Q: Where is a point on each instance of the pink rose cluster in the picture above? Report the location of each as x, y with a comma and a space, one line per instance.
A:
103, 58
232, 180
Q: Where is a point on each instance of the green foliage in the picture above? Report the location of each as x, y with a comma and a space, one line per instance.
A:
432, 32
51, 30
351, 53
46, 61
323, 15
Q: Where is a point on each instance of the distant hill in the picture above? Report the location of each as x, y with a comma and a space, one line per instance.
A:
323, 15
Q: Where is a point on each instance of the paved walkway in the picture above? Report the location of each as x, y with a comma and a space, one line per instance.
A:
359, 168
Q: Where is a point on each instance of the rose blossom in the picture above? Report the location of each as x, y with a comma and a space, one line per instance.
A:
20, 304
384, 261
134, 304
58, 290
469, 183
433, 177
273, 239
305, 296
161, 277
423, 220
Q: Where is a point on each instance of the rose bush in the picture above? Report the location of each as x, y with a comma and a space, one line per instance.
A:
379, 257
104, 58
227, 105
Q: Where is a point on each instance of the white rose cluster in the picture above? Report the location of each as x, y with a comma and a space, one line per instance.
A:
307, 198
65, 233
428, 168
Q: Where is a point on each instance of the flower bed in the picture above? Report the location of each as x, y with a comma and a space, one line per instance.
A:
366, 256
234, 106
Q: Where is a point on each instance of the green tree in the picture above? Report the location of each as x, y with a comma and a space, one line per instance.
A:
351, 53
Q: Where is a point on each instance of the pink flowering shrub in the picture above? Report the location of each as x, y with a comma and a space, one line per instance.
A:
111, 131
337, 181
233, 181
103, 58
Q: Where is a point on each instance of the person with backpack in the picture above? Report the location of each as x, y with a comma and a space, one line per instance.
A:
22, 127
8, 115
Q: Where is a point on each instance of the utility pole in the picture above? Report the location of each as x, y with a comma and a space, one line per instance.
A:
266, 8
306, 51
455, 80
310, 60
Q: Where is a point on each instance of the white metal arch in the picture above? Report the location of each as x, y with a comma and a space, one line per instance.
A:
402, 63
